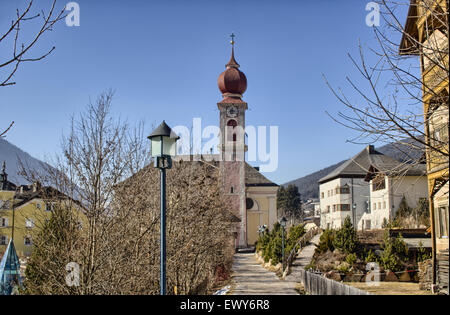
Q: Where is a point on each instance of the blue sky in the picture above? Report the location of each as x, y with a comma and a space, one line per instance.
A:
163, 58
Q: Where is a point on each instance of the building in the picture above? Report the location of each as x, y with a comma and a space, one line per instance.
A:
251, 195
426, 35
389, 184
344, 192
348, 190
23, 210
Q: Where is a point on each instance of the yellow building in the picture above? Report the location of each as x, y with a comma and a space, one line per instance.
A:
23, 210
426, 35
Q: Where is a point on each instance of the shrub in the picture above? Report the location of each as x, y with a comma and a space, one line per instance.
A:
346, 238
263, 240
267, 252
394, 252
295, 233
343, 268
326, 242
276, 249
351, 259
422, 253
371, 257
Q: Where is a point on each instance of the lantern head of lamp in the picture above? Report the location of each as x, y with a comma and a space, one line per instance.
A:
283, 222
163, 145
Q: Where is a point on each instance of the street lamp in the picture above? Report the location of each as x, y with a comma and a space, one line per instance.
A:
163, 147
283, 221
261, 230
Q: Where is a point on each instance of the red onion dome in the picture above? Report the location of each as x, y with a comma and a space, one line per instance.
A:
232, 80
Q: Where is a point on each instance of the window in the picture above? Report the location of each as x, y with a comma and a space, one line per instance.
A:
345, 207
343, 190
334, 208
231, 133
4, 204
232, 190
374, 206
3, 222
322, 195
3, 240
378, 183
27, 240
48, 206
367, 206
379, 205
384, 204
328, 209
443, 221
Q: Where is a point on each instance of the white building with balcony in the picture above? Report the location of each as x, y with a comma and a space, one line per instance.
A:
388, 185
348, 190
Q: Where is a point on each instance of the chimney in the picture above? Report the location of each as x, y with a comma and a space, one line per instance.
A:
370, 149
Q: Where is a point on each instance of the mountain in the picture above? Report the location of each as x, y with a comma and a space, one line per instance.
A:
11, 155
308, 185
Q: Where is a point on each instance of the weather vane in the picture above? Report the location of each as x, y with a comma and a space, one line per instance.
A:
232, 38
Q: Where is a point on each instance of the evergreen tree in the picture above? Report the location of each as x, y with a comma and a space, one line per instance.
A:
56, 245
289, 201
403, 208
346, 238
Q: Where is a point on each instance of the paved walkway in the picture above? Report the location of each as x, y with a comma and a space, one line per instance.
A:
250, 278
303, 259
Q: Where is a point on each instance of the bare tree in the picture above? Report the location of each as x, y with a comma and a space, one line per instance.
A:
105, 168
21, 50
390, 103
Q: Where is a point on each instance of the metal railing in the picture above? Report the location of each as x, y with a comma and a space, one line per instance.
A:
299, 245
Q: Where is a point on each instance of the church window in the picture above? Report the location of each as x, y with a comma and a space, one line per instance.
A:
232, 134
249, 203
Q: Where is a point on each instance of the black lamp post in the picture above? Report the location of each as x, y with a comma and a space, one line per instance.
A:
163, 147
283, 221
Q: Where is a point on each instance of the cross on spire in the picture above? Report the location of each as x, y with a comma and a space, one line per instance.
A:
232, 38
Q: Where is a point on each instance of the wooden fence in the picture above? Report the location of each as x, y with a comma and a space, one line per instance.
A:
316, 284
442, 271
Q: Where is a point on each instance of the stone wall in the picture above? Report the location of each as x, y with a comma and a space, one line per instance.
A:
425, 274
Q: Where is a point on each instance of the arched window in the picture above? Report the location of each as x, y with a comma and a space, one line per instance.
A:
231, 133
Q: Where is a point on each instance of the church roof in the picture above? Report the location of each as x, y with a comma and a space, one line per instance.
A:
254, 178
9, 269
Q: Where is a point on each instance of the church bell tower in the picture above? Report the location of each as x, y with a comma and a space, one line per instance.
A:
233, 83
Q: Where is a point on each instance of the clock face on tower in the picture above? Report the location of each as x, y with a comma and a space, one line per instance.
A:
232, 111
